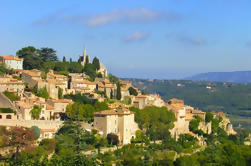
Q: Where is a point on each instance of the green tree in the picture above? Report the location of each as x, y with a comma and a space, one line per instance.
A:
48, 55
36, 131
118, 97
60, 93
96, 63
31, 56
101, 106
35, 112
113, 79
78, 111
193, 125
42, 93
64, 59
3, 69
133, 91
87, 60
209, 117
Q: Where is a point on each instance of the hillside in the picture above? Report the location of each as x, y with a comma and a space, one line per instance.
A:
237, 77
231, 98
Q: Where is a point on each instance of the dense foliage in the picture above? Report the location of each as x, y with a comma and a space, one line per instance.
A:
12, 96
230, 98
157, 121
46, 59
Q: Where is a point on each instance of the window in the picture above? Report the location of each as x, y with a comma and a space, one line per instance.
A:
115, 130
8, 116
115, 122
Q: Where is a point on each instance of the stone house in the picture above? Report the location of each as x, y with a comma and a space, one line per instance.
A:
139, 101
7, 83
181, 126
124, 93
31, 77
118, 121
59, 106
24, 109
155, 100
8, 116
59, 80
107, 87
12, 62
126, 84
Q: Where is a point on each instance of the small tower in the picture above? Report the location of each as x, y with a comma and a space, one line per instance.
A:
83, 58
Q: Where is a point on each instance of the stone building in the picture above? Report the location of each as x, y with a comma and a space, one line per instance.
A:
7, 83
118, 121
12, 62
31, 77
59, 106
139, 101
181, 126
107, 87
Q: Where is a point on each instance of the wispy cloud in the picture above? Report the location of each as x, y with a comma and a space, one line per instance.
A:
136, 15
136, 36
193, 41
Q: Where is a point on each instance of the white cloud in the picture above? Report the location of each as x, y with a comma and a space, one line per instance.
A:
136, 36
136, 15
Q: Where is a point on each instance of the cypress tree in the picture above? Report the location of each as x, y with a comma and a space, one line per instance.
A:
118, 91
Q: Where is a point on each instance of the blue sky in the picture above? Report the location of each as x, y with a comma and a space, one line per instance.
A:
161, 39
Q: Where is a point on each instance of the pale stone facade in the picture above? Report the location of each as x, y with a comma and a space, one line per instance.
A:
118, 121
12, 62
8, 116
31, 77
7, 83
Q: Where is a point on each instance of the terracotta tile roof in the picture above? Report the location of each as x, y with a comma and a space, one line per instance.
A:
115, 112
48, 130
11, 58
192, 134
56, 75
63, 101
49, 107
24, 104
141, 96
33, 73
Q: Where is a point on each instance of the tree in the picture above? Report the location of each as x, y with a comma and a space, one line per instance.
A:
87, 60
3, 69
101, 106
31, 56
35, 112
133, 91
118, 91
20, 137
70, 60
42, 93
209, 117
193, 125
64, 59
96, 63
78, 111
36, 131
113, 139
60, 93
113, 79
48, 54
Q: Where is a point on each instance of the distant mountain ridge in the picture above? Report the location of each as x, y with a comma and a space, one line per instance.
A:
236, 76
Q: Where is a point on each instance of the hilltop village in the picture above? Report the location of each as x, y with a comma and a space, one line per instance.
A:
42, 99
56, 112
